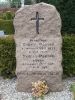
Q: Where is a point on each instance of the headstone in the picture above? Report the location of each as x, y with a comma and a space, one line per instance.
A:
1, 33
38, 46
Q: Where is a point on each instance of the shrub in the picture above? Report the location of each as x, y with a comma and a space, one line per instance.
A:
28, 2
7, 26
7, 57
16, 3
8, 15
69, 55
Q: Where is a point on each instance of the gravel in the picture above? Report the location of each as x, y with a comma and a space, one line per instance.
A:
8, 91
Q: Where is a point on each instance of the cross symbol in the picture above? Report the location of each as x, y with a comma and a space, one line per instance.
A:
37, 21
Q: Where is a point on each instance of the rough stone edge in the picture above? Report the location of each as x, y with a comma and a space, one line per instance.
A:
38, 4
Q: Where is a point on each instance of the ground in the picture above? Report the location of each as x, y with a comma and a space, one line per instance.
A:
8, 91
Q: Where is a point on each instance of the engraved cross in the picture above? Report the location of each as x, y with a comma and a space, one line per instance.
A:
37, 21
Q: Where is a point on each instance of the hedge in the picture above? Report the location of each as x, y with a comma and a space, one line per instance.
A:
69, 55
8, 15
8, 61
7, 57
7, 26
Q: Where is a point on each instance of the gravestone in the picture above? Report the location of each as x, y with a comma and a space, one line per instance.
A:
38, 46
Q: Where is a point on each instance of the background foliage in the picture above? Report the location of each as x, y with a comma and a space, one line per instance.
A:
8, 15
15, 3
8, 61
27, 2
6, 22
7, 26
69, 55
7, 57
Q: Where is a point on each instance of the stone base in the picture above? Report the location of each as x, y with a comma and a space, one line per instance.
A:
54, 81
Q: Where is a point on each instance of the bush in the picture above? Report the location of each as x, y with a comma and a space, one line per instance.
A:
16, 3
69, 55
6, 22
7, 57
8, 15
7, 26
8, 62
28, 2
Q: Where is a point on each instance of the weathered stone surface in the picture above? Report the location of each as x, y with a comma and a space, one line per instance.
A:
38, 56
25, 27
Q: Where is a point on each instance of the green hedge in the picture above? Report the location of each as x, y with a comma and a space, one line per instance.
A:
8, 15
8, 61
69, 55
7, 26
7, 57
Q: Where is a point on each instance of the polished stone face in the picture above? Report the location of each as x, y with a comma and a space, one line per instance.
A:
38, 56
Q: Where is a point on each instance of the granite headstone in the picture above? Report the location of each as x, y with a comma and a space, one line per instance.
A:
38, 46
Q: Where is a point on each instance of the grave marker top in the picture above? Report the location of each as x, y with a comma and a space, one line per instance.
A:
49, 25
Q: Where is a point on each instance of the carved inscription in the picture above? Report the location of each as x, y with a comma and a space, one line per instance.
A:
37, 54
